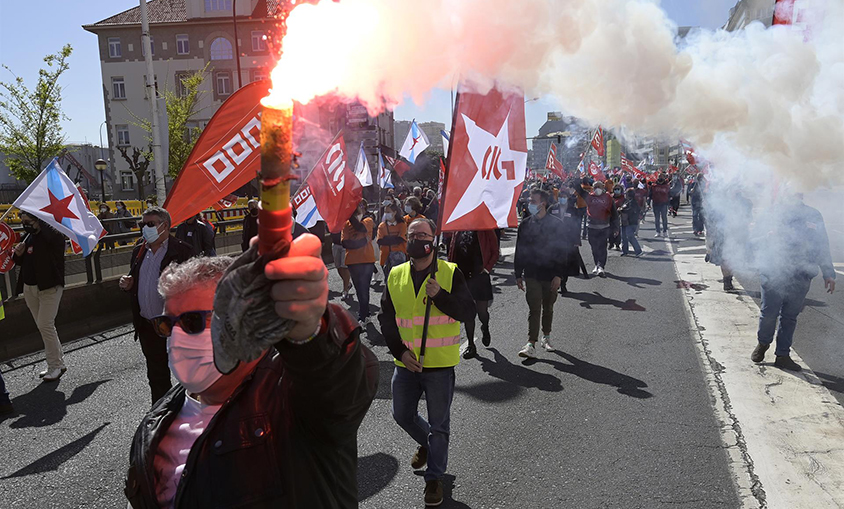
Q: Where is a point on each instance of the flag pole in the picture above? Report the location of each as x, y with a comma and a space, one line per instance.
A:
438, 233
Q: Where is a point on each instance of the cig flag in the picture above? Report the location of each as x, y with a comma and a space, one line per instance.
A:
306, 210
414, 144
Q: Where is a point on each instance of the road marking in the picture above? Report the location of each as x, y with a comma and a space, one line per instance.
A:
506, 251
783, 432
690, 248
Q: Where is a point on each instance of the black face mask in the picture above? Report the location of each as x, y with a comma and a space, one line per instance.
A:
418, 248
253, 212
28, 228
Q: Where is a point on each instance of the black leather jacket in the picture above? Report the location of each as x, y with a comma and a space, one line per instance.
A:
286, 438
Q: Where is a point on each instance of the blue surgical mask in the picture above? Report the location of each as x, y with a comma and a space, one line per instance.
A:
563, 202
533, 209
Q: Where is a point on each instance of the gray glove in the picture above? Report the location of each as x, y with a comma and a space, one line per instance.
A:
245, 323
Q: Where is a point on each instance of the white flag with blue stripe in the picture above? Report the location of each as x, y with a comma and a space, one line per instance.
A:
306, 210
362, 171
385, 176
414, 144
55, 199
445, 142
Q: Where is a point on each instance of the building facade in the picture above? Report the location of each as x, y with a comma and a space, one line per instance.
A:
569, 137
748, 11
431, 129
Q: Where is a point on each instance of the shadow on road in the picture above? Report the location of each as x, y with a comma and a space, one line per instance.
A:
587, 300
385, 380
635, 282
45, 405
594, 373
375, 472
515, 376
448, 497
373, 335
52, 461
831, 382
806, 302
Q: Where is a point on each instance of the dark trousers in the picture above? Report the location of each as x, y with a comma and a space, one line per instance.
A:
661, 214
582, 214
540, 299
4, 394
675, 203
598, 238
154, 348
628, 238
697, 218
361, 278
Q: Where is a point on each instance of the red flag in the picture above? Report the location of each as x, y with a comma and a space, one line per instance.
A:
596, 172
226, 156
487, 163
8, 238
399, 166
225, 202
672, 169
784, 12
553, 163
598, 141
335, 188
440, 182
651, 177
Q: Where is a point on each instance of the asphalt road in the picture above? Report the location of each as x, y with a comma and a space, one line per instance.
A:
619, 416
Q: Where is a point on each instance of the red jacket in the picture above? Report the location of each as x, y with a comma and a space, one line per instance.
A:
599, 207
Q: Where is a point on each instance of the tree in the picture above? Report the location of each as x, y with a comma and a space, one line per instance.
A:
426, 171
139, 164
30, 120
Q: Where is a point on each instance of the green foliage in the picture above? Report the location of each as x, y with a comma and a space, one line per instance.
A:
30, 120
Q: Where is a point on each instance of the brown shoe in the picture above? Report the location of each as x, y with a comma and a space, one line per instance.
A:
758, 354
433, 493
420, 458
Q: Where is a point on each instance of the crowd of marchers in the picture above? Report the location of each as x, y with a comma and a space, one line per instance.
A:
281, 429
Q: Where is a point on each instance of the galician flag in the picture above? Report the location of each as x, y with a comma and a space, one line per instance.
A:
362, 171
385, 176
414, 144
54, 198
445, 142
306, 210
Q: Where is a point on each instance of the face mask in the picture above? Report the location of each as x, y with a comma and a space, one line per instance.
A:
599, 191
151, 234
103, 211
191, 359
564, 201
120, 207
408, 209
28, 228
388, 217
253, 212
418, 248
533, 209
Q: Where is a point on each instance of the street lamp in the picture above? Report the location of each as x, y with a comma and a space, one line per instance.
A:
101, 165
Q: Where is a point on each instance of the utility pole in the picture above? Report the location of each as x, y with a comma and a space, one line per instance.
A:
152, 96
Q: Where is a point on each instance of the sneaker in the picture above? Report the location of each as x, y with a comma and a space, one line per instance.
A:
785, 362
529, 351
53, 375
657, 234
486, 339
637, 255
758, 354
471, 352
420, 458
623, 254
601, 272
545, 342
433, 493
44, 373
595, 270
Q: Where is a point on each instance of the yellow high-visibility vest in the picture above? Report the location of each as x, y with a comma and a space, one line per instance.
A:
442, 348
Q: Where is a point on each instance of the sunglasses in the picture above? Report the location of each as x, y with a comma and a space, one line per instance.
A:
151, 224
192, 322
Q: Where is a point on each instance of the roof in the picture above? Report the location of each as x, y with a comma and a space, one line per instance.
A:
174, 11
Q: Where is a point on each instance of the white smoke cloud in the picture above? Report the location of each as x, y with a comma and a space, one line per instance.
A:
765, 96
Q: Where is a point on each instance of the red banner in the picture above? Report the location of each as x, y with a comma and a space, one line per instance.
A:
8, 237
487, 163
225, 202
226, 156
598, 141
553, 163
596, 172
335, 188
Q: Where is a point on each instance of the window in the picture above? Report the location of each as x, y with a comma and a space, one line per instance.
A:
181, 89
118, 88
224, 83
259, 74
221, 49
218, 5
127, 181
182, 44
122, 135
259, 43
114, 47
144, 48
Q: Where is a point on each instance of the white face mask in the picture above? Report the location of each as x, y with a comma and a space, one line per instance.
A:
408, 209
388, 216
191, 359
151, 234
598, 191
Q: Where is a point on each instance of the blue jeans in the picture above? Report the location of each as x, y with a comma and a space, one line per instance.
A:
361, 279
438, 387
783, 300
4, 394
661, 213
628, 236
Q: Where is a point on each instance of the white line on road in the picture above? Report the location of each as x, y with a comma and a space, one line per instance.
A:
782, 431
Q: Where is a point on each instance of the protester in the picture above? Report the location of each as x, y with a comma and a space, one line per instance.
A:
675, 193
727, 234
280, 431
660, 194
250, 224
41, 260
538, 269
196, 233
403, 311
603, 221
153, 253
356, 238
792, 245
6, 406
123, 226
432, 208
569, 244
108, 226
630, 214
413, 209
641, 200
618, 201
697, 198
475, 253
392, 239
338, 253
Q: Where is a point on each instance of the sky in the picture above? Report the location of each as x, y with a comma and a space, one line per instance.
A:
23, 45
